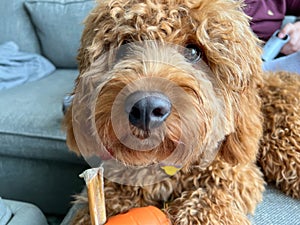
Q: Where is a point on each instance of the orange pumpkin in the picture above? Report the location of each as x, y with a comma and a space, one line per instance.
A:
149, 215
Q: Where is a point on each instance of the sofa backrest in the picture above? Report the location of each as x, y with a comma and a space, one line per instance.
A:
59, 24
50, 27
15, 26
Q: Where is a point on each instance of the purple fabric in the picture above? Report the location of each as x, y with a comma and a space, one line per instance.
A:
267, 15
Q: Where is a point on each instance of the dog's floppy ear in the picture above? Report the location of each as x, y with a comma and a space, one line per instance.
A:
68, 127
97, 36
242, 145
91, 46
97, 27
233, 53
67, 123
232, 50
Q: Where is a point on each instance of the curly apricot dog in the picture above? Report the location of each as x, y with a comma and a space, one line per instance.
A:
179, 84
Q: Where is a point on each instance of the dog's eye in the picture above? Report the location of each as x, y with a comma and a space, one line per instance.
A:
192, 53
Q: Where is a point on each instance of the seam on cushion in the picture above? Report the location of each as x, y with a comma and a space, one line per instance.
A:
75, 161
62, 156
24, 134
59, 3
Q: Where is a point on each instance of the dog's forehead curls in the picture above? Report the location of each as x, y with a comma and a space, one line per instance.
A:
161, 84
178, 22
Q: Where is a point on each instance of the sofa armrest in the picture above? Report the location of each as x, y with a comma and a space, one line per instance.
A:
25, 213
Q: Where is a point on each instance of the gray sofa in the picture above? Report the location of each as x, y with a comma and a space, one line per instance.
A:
20, 213
35, 164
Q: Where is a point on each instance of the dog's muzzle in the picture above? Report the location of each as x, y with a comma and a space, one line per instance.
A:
147, 110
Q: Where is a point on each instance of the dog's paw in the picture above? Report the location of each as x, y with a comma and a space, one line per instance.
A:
82, 217
200, 207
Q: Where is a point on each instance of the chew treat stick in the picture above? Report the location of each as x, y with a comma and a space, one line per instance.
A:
95, 186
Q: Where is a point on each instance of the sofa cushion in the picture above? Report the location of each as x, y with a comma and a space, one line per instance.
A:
59, 27
36, 165
30, 118
15, 26
49, 184
276, 208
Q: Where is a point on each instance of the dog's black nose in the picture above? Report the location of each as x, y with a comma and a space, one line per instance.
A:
147, 110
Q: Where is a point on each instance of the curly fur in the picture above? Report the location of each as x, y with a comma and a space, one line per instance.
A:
280, 145
230, 187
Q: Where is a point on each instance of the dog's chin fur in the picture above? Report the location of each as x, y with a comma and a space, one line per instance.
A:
214, 128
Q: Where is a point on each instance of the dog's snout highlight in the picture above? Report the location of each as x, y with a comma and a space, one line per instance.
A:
147, 110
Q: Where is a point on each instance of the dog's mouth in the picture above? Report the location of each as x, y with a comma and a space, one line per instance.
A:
140, 133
